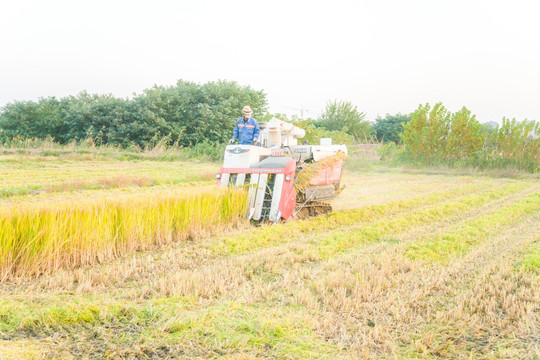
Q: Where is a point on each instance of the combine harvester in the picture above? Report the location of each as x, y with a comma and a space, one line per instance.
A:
284, 179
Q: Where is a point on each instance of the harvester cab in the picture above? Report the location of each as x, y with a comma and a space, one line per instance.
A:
284, 179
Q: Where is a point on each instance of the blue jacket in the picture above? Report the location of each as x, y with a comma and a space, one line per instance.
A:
246, 131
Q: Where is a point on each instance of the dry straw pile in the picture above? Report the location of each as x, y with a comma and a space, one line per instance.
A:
311, 170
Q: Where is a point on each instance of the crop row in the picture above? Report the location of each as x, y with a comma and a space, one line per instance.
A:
49, 236
460, 239
269, 236
46, 176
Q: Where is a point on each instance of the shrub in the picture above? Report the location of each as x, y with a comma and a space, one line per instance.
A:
343, 116
437, 136
513, 144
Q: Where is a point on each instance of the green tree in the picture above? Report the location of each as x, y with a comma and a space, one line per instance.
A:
343, 116
518, 143
390, 127
191, 113
32, 119
187, 113
425, 135
464, 137
91, 115
314, 134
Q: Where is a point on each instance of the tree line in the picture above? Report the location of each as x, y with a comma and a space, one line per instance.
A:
202, 115
186, 113
435, 135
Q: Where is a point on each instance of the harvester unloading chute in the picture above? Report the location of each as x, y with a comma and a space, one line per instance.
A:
284, 179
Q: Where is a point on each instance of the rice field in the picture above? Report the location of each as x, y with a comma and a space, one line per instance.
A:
412, 264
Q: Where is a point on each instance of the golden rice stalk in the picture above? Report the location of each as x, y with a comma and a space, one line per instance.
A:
45, 237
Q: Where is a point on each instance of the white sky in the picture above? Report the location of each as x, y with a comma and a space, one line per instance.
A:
385, 56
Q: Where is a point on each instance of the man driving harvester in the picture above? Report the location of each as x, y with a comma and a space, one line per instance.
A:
246, 129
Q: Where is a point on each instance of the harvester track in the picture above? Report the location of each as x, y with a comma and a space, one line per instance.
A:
313, 208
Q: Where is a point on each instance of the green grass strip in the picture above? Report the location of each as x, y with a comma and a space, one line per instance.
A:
332, 243
460, 240
285, 332
22, 316
530, 261
50, 314
285, 232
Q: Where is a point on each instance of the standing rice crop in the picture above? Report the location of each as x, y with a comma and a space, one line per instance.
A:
44, 237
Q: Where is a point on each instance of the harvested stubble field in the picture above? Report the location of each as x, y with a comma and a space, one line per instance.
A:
411, 264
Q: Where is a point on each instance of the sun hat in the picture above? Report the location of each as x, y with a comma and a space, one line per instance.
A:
247, 110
